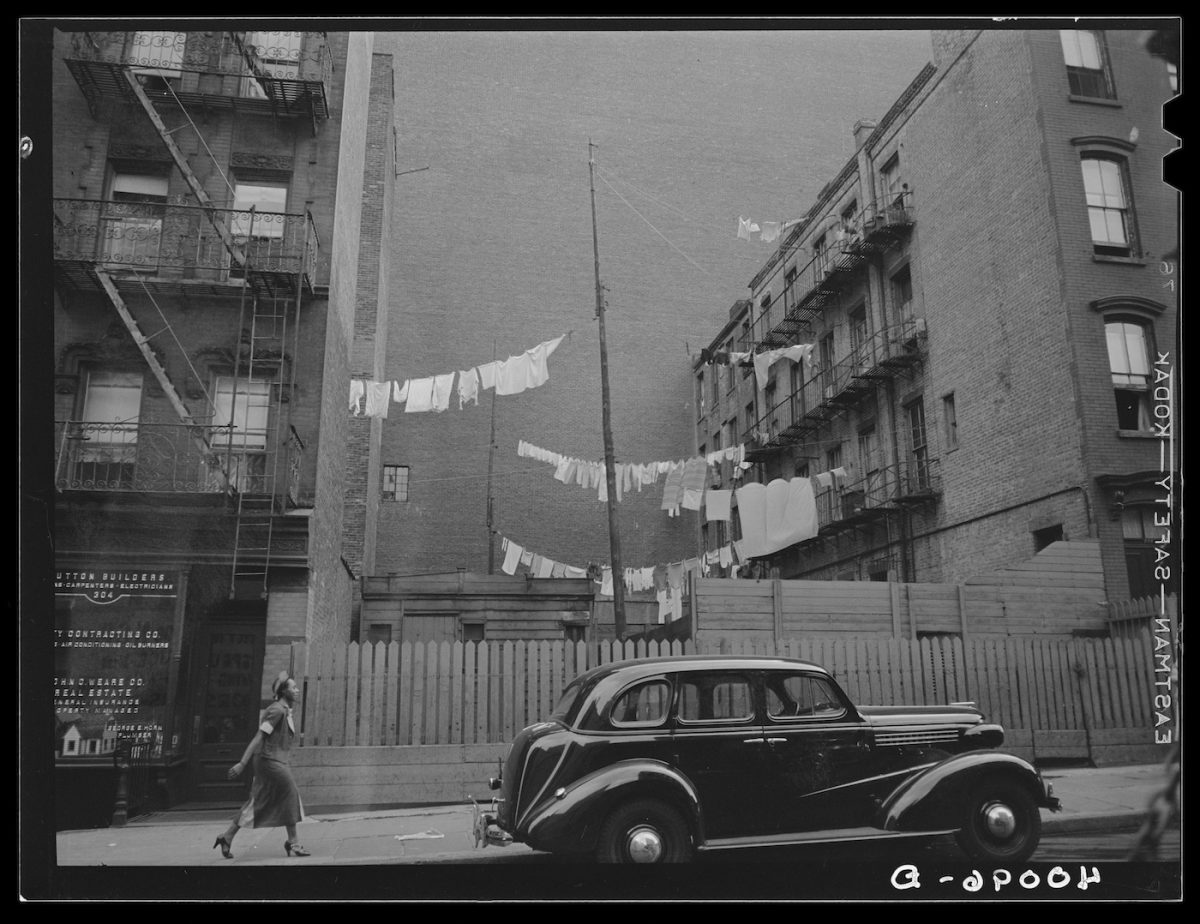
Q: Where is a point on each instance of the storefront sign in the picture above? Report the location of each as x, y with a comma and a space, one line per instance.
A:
112, 642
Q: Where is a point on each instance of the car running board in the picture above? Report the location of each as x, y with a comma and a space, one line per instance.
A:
827, 836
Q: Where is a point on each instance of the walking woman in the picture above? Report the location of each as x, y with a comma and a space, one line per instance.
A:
274, 799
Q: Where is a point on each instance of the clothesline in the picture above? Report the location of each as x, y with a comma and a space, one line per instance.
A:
667, 581
511, 376
635, 475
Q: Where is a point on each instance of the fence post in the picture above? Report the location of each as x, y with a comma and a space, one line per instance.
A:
121, 803
776, 608
962, 612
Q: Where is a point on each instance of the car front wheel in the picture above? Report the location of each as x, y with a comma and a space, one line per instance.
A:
645, 831
1002, 824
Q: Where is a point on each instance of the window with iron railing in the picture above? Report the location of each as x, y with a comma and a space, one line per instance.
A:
133, 220
918, 442
277, 55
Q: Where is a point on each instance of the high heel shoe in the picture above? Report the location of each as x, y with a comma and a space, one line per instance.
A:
295, 849
224, 845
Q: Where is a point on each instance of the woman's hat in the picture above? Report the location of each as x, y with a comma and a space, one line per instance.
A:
283, 678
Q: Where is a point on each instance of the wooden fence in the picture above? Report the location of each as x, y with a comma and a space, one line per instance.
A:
1057, 697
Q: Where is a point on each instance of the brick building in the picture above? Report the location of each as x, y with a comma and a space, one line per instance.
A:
987, 283
220, 199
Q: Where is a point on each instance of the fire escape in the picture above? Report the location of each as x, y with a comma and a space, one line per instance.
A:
238, 446
834, 387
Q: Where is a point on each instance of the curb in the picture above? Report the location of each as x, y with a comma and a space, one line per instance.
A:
1093, 821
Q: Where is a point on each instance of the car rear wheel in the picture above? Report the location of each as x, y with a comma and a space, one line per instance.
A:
645, 831
1002, 824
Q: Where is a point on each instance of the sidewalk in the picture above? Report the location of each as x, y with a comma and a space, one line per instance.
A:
1109, 798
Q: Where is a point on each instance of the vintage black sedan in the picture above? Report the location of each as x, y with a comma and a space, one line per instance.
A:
654, 760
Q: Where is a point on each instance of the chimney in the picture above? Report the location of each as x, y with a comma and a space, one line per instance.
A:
862, 131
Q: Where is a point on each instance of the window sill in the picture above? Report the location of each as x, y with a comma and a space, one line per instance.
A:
1109, 258
1137, 435
1096, 101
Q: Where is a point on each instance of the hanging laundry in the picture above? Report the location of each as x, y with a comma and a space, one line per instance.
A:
770, 231
695, 471
606, 583
839, 477
511, 558
673, 490
468, 387
725, 556
487, 373
675, 575
572, 572
527, 558
357, 389
746, 227
824, 480
717, 504
776, 515
559, 570
379, 396
545, 569
539, 371
400, 392
420, 396
442, 387
512, 376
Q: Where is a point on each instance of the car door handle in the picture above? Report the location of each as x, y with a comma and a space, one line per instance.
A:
777, 741
754, 741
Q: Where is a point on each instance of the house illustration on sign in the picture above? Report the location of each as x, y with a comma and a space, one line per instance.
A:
85, 735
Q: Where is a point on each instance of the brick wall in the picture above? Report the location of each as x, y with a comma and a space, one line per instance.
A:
330, 594
361, 485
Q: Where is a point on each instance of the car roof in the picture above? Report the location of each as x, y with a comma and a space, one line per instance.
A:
650, 666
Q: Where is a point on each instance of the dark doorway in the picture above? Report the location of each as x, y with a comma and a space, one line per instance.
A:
229, 684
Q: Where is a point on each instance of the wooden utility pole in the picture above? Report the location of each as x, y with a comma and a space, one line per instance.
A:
610, 463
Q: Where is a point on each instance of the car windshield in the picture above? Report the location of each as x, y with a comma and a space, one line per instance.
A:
564, 709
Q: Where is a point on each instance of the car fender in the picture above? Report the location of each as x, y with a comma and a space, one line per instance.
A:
934, 798
570, 819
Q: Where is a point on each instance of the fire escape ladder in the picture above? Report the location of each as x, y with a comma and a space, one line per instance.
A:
195, 430
185, 168
262, 493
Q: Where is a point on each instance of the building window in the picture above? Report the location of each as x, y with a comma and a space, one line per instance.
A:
833, 458
395, 482
258, 211
797, 390
751, 418
1087, 63
790, 296
133, 216
820, 256
379, 632
1173, 76
950, 421
1129, 362
157, 53
277, 54
869, 459
800, 469
902, 293
1106, 188
826, 350
893, 187
1139, 530
473, 631
107, 452
731, 427
700, 396
858, 334
241, 413
918, 446
1043, 537
849, 216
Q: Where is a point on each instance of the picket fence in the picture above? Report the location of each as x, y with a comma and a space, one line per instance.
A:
484, 692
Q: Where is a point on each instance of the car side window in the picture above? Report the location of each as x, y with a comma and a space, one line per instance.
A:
643, 705
715, 697
802, 696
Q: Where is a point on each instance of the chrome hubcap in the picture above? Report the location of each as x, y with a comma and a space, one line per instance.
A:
645, 845
1000, 820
